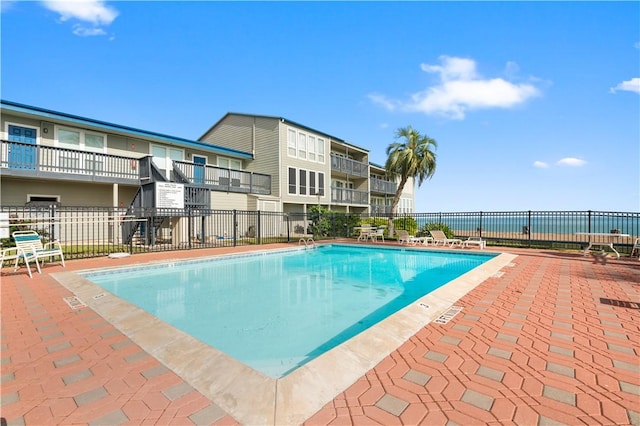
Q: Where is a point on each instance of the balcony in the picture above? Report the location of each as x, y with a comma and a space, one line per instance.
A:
379, 209
349, 196
23, 159
380, 186
221, 179
349, 166
38, 161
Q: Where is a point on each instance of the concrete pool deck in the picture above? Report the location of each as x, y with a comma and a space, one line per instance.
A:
553, 337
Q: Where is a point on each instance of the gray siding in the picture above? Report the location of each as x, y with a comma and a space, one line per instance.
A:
76, 194
237, 132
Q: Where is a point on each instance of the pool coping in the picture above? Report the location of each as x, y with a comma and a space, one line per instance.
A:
248, 395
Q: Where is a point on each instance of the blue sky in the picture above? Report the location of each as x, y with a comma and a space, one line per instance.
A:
535, 106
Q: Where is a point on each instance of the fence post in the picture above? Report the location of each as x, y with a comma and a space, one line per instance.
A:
235, 227
529, 228
259, 229
286, 215
189, 226
480, 227
589, 221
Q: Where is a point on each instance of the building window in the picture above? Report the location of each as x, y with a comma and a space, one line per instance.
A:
320, 150
164, 157
303, 182
312, 183
80, 139
292, 180
321, 184
312, 148
302, 145
229, 163
291, 143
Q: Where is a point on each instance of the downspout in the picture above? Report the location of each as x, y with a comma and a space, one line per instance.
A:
253, 139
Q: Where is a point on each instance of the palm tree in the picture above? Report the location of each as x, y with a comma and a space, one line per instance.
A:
411, 158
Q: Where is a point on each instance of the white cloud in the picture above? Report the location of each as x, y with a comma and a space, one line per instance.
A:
81, 31
461, 89
632, 85
540, 164
571, 162
94, 12
383, 101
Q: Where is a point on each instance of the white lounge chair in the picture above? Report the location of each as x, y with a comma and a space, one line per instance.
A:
440, 238
30, 248
404, 237
474, 241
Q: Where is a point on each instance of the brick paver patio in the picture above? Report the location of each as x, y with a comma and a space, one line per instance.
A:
555, 339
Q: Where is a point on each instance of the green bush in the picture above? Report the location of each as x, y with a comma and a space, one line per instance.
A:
409, 224
438, 227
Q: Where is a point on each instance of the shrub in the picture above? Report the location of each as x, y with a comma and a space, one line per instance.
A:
439, 227
409, 224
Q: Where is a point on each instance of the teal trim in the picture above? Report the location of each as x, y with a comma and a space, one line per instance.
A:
70, 118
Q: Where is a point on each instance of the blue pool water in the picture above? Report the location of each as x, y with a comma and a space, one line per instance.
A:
279, 310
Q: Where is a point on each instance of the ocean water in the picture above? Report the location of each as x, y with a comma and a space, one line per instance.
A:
569, 223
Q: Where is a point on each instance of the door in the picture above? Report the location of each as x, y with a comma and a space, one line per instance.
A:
198, 169
22, 155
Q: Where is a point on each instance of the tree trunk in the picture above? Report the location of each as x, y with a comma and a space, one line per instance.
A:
394, 205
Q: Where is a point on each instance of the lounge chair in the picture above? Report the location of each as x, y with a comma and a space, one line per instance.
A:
440, 238
474, 241
404, 237
30, 247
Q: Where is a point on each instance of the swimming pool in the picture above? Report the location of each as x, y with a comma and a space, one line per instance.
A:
247, 395
277, 311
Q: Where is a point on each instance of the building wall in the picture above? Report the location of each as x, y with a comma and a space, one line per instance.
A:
77, 194
258, 135
303, 164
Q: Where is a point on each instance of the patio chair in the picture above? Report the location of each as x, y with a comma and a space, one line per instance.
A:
365, 232
379, 232
439, 237
474, 241
14, 253
404, 237
30, 247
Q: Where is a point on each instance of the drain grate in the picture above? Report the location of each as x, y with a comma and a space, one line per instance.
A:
498, 274
74, 302
511, 265
447, 316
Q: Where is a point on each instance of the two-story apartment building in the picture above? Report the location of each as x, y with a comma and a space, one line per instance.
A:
243, 162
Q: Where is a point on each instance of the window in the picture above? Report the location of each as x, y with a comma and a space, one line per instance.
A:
292, 180
303, 182
80, 139
291, 142
302, 145
321, 183
312, 148
163, 158
320, 150
229, 163
312, 183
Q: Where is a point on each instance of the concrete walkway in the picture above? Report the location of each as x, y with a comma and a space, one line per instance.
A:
553, 339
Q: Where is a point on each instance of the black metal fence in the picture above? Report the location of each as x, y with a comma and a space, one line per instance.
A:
98, 231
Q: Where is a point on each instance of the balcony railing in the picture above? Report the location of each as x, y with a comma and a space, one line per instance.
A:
23, 159
378, 209
382, 186
221, 179
349, 196
349, 166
